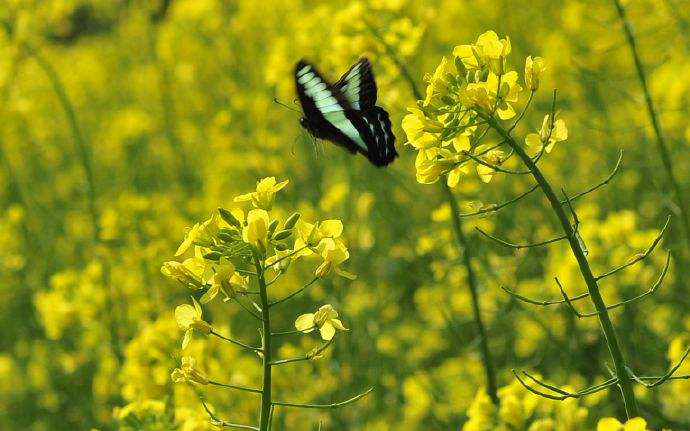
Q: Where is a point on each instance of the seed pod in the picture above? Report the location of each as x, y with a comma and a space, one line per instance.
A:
291, 221
281, 235
228, 217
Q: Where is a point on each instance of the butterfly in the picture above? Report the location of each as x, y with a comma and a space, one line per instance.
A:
345, 113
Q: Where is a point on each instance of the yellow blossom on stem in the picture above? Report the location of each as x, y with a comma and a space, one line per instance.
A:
612, 424
280, 256
325, 319
547, 137
333, 253
188, 318
533, 69
265, 192
255, 232
222, 274
486, 173
438, 85
188, 373
202, 234
190, 272
309, 235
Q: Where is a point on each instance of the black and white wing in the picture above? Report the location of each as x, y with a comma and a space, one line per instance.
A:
327, 112
358, 86
346, 113
381, 149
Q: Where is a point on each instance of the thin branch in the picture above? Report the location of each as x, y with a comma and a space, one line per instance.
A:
639, 257
650, 291
562, 394
285, 257
494, 167
220, 422
495, 208
326, 406
522, 114
245, 308
587, 391
297, 292
309, 356
239, 343
537, 301
663, 378
601, 184
294, 331
519, 246
240, 388
567, 301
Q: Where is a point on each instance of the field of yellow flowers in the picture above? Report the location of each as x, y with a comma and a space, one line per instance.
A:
177, 253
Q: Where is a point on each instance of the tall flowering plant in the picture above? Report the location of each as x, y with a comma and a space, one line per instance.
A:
472, 101
231, 256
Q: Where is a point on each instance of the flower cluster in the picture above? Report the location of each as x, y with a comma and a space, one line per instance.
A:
464, 98
232, 239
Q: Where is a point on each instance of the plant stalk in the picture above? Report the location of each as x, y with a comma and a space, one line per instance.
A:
266, 401
463, 248
624, 379
656, 125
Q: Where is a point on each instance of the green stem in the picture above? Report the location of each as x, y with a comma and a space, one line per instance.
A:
464, 250
624, 380
656, 125
266, 402
84, 155
81, 145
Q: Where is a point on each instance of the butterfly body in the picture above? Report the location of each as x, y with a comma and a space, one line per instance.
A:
345, 113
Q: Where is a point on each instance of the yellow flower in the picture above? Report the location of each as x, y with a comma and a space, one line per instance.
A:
309, 235
420, 130
493, 50
265, 192
536, 140
256, 230
489, 50
281, 256
486, 173
508, 93
612, 424
191, 272
187, 373
222, 274
325, 319
438, 86
533, 68
430, 168
333, 253
188, 318
543, 425
201, 234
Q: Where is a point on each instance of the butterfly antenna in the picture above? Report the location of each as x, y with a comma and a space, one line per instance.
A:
275, 99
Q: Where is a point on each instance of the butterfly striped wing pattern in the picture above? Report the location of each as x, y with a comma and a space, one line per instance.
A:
346, 113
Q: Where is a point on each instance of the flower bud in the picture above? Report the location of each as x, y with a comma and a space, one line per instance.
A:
214, 255
291, 221
229, 218
280, 235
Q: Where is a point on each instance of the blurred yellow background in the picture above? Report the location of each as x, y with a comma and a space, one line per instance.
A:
124, 121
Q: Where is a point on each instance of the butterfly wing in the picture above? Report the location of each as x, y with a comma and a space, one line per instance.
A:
358, 86
345, 113
381, 148
325, 110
